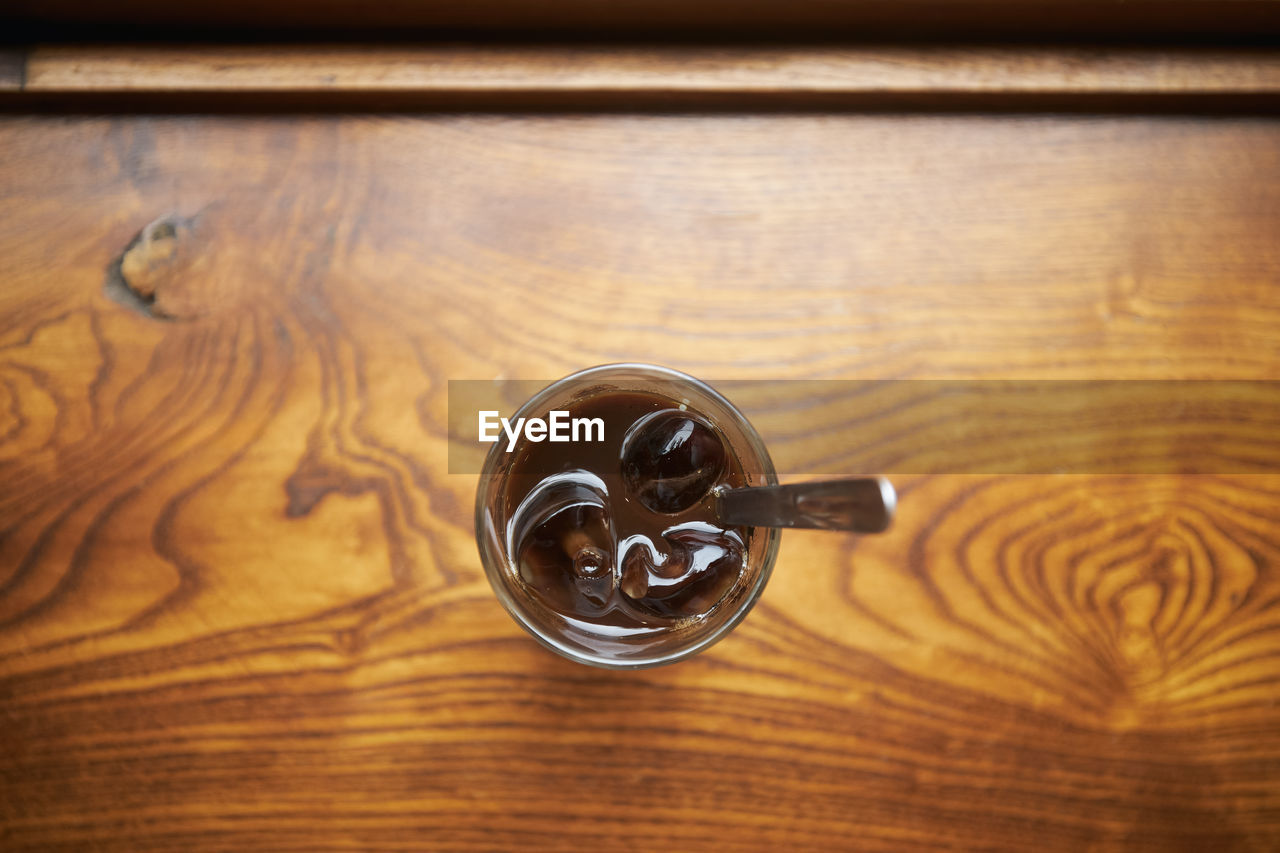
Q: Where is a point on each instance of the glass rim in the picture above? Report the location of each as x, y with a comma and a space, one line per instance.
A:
494, 458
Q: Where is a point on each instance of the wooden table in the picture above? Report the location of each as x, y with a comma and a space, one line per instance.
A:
240, 602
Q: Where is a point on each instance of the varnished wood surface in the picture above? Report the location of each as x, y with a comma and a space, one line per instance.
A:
627, 76
240, 604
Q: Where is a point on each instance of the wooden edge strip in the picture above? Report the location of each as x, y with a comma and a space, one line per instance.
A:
551, 74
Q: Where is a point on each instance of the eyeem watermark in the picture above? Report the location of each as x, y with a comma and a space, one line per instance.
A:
848, 427
557, 426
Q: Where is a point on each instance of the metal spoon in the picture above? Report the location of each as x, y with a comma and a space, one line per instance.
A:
859, 506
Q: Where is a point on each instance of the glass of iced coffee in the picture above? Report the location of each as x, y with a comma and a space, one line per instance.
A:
597, 522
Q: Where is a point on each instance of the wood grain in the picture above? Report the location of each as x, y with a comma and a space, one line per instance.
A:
241, 607
655, 75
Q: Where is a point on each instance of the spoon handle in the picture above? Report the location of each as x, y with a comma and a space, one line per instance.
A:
860, 506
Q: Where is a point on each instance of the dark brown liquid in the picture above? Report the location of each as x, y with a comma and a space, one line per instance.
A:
621, 533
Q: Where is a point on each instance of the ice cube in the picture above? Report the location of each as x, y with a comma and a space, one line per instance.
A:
671, 459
